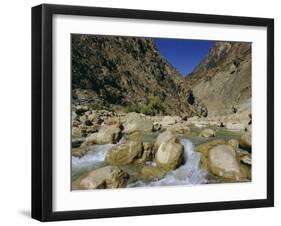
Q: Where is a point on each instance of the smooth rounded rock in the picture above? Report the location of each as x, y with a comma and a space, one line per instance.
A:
124, 154
223, 162
105, 177
169, 155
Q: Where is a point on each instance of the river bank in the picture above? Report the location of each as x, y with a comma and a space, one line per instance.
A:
116, 149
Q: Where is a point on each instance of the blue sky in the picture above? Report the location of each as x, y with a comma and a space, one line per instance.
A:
184, 55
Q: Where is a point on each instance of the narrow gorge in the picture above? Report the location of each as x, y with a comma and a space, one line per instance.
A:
138, 122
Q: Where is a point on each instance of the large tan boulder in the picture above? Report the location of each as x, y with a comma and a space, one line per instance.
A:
106, 135
204, 150
151, 173
206, 133
105, 177
245, 141
169, 155
124, 154
164, 137
223, 162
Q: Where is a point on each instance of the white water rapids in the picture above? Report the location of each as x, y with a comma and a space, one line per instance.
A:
93, 159
90, 161
187, 174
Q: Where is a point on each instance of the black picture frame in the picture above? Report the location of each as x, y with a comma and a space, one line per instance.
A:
42, 111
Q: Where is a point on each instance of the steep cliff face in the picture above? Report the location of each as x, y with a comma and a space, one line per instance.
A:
118, 72
223, 79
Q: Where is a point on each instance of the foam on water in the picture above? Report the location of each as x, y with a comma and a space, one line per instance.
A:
187, 174
92, 159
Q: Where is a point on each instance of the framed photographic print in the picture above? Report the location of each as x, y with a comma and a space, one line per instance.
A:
146, 112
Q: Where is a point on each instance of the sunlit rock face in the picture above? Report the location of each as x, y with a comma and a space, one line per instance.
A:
223, 79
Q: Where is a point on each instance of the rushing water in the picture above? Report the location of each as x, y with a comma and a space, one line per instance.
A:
187, 174
92, 160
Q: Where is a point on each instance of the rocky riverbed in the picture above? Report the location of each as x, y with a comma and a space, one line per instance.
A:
112, 149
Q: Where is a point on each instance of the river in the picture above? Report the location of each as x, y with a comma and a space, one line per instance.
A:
190, 173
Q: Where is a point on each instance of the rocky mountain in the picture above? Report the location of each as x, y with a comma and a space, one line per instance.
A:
223, 79
128, 73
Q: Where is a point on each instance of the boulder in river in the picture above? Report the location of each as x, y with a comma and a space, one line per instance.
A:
206, 133
223, 162
105, 177
204, 150
106, 135
124, 154
164, 137
169, 155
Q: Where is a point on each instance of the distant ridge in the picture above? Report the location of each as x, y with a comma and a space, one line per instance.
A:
223, 79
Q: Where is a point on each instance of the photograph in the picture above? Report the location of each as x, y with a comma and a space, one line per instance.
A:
153, 111
145, 112
139, 113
